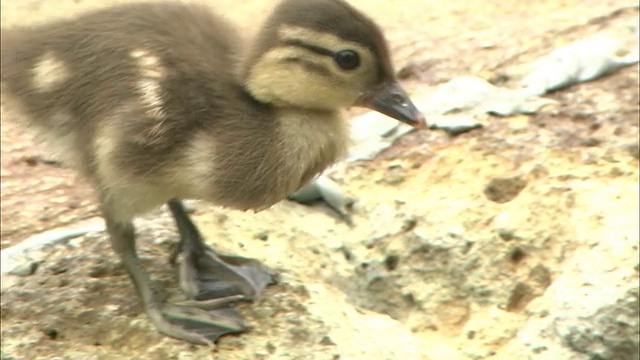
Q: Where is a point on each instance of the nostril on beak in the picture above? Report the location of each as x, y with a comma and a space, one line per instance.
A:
400, 100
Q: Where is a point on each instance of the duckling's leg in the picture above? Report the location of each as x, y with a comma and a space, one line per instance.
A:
205, 274
200, 323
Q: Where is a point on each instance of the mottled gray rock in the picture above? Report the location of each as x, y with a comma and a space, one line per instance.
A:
607, 332
25, 268
372, 133
590, 311
23, 259
459, 94
580, 61
327, 190
454, 124
371, 125
476, 95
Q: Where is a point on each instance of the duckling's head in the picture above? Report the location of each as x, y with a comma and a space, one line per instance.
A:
324, 54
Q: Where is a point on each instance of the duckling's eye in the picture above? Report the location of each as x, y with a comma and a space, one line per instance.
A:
347, 59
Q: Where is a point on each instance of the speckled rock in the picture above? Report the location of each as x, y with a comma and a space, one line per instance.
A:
431, 268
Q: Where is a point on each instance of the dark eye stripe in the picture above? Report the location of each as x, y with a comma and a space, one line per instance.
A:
314, 48
310, 66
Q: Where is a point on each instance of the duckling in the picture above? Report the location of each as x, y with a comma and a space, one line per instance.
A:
158, 102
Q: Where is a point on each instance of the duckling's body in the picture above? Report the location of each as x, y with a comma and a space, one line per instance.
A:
144, 126
160, 102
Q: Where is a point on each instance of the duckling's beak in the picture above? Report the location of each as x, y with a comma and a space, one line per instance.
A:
391, 100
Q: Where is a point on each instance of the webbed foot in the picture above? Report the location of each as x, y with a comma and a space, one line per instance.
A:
196, 321
205, 274
199, 323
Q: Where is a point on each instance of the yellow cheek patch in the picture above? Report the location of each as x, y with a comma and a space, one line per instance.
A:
300, 70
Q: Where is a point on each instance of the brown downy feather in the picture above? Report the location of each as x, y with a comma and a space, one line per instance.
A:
145, 101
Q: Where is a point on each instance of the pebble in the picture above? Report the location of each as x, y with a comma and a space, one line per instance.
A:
325, 189
502, 190
263, 235
25, 269
326, 340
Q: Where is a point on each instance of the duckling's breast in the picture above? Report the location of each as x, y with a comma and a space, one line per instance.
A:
276, 158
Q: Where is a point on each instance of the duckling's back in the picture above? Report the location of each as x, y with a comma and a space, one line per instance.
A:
69, 78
